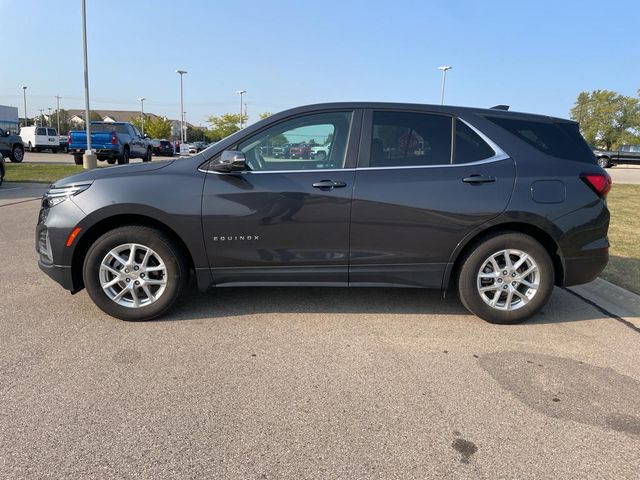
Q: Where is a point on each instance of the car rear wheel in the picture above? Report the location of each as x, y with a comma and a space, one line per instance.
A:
135, 273
111, 161
506, 279
77, 159
17, 154
124, 158
604, 162
147, 157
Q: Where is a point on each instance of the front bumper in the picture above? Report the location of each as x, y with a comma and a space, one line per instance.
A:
60, 274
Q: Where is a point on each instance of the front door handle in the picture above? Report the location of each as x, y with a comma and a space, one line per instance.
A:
479, 179
329, 184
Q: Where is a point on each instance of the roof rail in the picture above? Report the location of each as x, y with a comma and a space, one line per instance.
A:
500, 107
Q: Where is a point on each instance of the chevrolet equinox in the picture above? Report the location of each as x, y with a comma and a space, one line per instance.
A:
499, 205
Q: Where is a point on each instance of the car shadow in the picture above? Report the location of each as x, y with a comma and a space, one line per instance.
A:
247, 301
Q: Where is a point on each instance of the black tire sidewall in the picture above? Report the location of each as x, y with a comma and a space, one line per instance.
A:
171, 255
13, 157
467, 278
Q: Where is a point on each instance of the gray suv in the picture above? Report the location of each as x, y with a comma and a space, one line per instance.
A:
11, 146
500, 206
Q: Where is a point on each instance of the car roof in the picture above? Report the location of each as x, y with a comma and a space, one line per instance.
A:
448, 109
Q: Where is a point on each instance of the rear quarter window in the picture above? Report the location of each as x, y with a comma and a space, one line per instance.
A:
557, 139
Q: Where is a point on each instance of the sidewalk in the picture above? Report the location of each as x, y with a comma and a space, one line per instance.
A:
611, 298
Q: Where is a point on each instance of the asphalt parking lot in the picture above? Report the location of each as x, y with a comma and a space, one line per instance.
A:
305, 383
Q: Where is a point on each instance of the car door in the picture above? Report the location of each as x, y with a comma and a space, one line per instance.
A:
424, 181
284, 220
52, 138
41, 140
138, 144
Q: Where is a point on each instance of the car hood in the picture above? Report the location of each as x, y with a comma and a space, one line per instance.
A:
117, 171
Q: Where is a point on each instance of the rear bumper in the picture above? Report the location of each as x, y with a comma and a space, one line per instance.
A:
102, 152
584, 269
59, 273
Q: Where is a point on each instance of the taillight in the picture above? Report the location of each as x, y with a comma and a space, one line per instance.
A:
599, 182
114, 139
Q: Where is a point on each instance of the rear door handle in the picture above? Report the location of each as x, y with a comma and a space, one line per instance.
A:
329, 184
479, 179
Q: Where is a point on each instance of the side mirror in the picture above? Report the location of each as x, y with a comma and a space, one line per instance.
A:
230, 161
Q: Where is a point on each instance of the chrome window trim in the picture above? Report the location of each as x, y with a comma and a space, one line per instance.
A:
495, 158
260, 172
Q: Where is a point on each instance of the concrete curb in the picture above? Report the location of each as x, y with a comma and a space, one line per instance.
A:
611, 298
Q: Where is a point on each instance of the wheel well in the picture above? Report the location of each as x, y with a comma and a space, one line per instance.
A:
540, 235
110, 223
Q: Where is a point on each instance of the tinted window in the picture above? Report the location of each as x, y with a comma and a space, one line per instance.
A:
469, 147
41, 131
410, 139
295, 144
561, 140
51, 132
109, 127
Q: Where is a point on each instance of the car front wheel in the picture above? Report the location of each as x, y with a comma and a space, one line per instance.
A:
506, 278
134, 273
17, 154
604, 162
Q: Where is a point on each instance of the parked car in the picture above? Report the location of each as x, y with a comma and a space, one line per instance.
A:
162, 147
111, 141
11, 146
197, 147
40, 138
320, 152
445, 207
300, 150
3, 170
63, 141
625, 154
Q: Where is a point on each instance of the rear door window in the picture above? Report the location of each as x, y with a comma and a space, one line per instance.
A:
41, 131
469, 146
561, 139
51, 132
403, 139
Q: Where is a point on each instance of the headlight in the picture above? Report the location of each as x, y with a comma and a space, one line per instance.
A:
58, 195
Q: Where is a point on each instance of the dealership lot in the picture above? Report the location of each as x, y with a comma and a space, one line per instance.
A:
305, 383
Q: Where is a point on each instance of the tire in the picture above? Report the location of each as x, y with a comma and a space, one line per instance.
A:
124, 158
147, 157
54, 150
111, 161
31, 149
1, 174
477, 262
164, 249
320, 156
17, 154
77, 159
604, 162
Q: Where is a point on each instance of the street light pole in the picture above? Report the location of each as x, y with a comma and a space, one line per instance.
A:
142, 99
89, 160
181, 73
49, 118
24, 95
241, 93
444, 69
58, 97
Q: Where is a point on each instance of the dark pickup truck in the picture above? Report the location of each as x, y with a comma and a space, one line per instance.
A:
111, 141
626, 154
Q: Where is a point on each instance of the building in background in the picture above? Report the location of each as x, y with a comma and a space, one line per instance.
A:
9, 118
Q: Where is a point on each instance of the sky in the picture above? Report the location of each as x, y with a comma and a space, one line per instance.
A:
535, 56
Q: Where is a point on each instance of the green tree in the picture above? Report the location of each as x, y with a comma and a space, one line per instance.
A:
224, 125
154, 127
264, 115
608, 119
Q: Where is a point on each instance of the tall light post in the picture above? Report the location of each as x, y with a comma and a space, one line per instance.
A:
58, 97
181, 73
142, 99
241, 93
49, 117
89, 160
24, 96
444, 69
